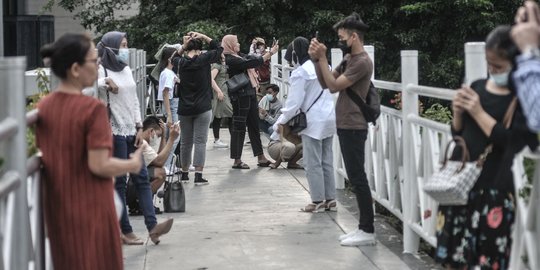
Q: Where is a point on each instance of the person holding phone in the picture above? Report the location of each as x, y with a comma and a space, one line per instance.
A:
244, 101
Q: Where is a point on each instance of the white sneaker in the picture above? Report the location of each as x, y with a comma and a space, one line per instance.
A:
191, 168
360, 238
220, 144
347, 235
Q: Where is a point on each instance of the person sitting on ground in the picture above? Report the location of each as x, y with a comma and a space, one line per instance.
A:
155, 160
280, 149
269, 109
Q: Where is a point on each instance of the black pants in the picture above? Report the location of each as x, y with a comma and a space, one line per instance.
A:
245, 113
352, 143
216, 125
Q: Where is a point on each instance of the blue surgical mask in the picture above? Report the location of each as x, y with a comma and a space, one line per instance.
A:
500, 79
123, 55
269, 97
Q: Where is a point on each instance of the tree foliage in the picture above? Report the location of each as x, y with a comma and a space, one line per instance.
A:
436, 28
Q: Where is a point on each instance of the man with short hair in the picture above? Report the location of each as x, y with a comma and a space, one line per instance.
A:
154, 128
353, 72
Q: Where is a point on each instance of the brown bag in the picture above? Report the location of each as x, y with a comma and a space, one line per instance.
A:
292, 137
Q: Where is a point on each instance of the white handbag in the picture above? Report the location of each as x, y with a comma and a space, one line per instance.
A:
453, 182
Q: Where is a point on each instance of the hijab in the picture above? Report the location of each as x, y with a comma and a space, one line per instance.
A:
300, 46
229, 42
108, 49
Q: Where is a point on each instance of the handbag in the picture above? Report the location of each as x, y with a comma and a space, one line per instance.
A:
237, 82
299, 122
174, 197
455, 179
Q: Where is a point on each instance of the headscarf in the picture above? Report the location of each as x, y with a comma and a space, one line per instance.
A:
300, 46
108, 49
228, 43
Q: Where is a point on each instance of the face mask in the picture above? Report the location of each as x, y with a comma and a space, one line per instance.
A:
123, 55
258, 51
500, 79
270, 97
342, 44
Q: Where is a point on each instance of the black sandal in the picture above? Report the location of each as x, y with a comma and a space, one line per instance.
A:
240, 165
264, 164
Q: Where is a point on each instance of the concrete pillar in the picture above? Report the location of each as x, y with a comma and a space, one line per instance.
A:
475, 62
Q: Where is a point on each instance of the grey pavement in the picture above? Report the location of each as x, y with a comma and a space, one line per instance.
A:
250, 219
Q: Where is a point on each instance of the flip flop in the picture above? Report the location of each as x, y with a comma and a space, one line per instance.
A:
295, 167
240, 165
264, 164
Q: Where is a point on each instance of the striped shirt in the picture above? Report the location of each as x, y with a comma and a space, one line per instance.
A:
527, 81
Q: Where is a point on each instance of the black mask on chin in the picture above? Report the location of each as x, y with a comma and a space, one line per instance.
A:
342, 44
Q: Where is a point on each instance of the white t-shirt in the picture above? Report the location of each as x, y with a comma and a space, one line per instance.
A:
149, 154
167, 79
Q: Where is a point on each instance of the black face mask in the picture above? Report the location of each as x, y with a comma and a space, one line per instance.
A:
342, 44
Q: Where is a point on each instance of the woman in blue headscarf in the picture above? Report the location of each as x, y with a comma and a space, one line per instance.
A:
117, 88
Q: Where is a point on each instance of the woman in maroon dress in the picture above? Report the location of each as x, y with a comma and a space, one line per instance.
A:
74, 136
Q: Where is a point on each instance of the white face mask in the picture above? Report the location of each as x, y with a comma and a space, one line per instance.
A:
123, 55
270, 97
500, 79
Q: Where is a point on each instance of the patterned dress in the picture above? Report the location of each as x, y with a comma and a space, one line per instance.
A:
221, 109
79, 209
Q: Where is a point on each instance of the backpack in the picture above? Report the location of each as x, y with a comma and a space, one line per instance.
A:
264, 72
371, 108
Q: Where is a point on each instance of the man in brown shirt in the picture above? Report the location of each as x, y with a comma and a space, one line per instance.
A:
353, 72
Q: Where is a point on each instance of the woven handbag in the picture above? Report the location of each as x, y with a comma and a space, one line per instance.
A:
453, 182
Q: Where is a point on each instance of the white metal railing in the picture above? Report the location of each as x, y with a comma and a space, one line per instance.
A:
22, 243
404, 149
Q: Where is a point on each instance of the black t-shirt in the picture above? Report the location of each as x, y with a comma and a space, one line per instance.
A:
496, 172
195, 95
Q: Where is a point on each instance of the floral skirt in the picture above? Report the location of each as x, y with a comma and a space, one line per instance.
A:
476, 234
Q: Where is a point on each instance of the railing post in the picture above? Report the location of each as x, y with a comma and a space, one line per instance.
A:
274, 60
409, 198
475, 62
336, 55
371, 52
12, 90
283, 61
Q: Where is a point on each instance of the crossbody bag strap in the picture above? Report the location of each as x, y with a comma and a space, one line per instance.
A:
320, 94
108, 98
507, 121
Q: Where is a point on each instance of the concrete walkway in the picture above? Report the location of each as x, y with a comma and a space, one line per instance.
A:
250, 219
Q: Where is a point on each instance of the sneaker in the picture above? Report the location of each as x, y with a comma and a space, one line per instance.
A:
174, 171
219, 144
200, 181
360, 238
345, 236
191, 168
184, 176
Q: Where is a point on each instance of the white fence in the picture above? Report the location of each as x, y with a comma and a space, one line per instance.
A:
404, 149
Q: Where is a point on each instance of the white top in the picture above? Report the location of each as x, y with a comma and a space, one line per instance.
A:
149, 154
125, 107
304, 90
167, 79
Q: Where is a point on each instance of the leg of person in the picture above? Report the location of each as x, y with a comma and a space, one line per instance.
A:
274, 151
120, 150
293, 162
216, 126
328, 172
157, 176
174, 111
255, 133
452, 225
200, 137
186, 143
142, 183
314, 173
352, 143
229, 125
240, 111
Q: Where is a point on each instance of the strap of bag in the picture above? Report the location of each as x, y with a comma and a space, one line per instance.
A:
320, 94
108, 98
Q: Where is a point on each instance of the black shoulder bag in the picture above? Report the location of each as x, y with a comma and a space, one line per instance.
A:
299, 121
371, 108
108, 98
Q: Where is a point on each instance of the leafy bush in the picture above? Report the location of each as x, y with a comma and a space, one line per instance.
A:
439, 113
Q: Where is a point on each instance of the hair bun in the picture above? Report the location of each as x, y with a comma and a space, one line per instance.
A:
47, 51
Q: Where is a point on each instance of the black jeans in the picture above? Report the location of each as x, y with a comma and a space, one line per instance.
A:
352, 143
245, 113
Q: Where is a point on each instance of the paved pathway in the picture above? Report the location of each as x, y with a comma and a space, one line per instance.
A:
250, 219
